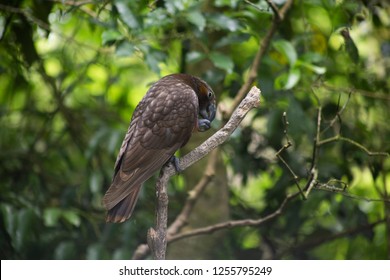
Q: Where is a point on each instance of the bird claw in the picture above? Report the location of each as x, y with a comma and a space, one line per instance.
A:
175, 162
203, 125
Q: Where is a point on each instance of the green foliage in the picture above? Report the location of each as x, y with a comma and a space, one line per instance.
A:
71, 75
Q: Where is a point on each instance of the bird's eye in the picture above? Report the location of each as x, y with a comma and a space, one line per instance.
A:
210, 94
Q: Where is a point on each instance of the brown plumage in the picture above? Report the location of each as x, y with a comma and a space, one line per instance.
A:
161, 124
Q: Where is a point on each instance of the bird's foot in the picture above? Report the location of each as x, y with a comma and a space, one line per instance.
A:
175, 162
203, 125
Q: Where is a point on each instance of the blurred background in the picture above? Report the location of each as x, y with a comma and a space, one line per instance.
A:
72, 72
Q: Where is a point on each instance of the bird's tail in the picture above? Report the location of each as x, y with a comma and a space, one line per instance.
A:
124, 208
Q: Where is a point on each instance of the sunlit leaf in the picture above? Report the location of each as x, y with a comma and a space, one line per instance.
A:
287, 49
126, 14
194, 56
232, 38
72, 217
231, 3
320, 17
95, 182
316, 69
111, 36
113, 142
222, 61
51, 216
288, 80
251, 240
197, 18
125, 48
224, 22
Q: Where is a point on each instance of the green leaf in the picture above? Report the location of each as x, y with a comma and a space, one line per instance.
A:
110, 36
229, 3
224, 22
72, 217
113, 142
125, 48
222, 61
154, 58
95, 182
194, 56
196, 18
288, 80
127, 15
232, 38
287, 49
251, 240
316, 69
51, 216
320, 18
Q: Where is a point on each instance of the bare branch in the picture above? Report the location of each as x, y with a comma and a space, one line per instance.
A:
252, 100
157, 239
329, 188
338, 115
354, 143
237, 223
285, 147
182, 219
274, 9
313, 173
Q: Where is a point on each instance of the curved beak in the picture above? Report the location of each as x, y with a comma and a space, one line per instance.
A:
209, 112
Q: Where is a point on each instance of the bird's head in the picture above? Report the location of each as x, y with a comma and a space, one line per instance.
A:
206, 97
207, 101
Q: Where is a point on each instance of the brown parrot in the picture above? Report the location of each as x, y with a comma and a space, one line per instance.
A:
162, 122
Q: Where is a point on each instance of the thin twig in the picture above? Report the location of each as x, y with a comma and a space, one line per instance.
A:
338, 115
313, 173
354, 143
237, 223
274, 9
285, 147
322, 187
362, 92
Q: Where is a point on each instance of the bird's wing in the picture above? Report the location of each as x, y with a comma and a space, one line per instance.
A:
161, 124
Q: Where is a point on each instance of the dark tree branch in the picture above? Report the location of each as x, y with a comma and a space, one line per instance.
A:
352, 142
182, 219
237, 223
157, 238
285, 147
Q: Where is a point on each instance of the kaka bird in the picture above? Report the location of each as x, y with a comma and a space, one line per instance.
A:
162, 122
